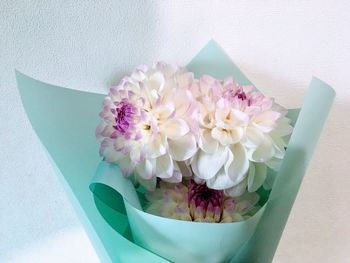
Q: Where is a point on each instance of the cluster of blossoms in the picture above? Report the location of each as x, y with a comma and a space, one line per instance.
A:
162, 125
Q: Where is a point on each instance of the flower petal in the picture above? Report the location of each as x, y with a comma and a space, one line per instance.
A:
175, 128
220, 181
156, 81
266, 120
182, 101
279, 145
126, 166
164, 166
264, 152
175, 178
227, 137
246, 202
229, 119
251, 175
108, 151
182, 148
146, 169
240, 165
164, 111
237, 190
206, 166
257, 176
136, 153
157, 147
253, 137
206, 142
283, 127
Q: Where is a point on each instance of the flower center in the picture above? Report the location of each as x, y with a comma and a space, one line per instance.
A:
205, 204
241, 95
124, 113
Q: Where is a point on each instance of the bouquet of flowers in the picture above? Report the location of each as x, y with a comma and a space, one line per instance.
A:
201, 147
198, 165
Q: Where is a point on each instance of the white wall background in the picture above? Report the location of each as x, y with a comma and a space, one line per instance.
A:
88, 45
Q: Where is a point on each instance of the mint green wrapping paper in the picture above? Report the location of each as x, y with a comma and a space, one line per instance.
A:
65, 122
178, 241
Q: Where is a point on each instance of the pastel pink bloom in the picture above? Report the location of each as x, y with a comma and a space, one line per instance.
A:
148, 123
196, 202
241, 132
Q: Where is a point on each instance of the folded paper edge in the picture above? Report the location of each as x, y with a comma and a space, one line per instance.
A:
125, 188
88, 227
307, 130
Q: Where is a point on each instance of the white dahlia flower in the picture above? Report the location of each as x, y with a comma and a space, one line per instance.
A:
148, 123
241, 132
